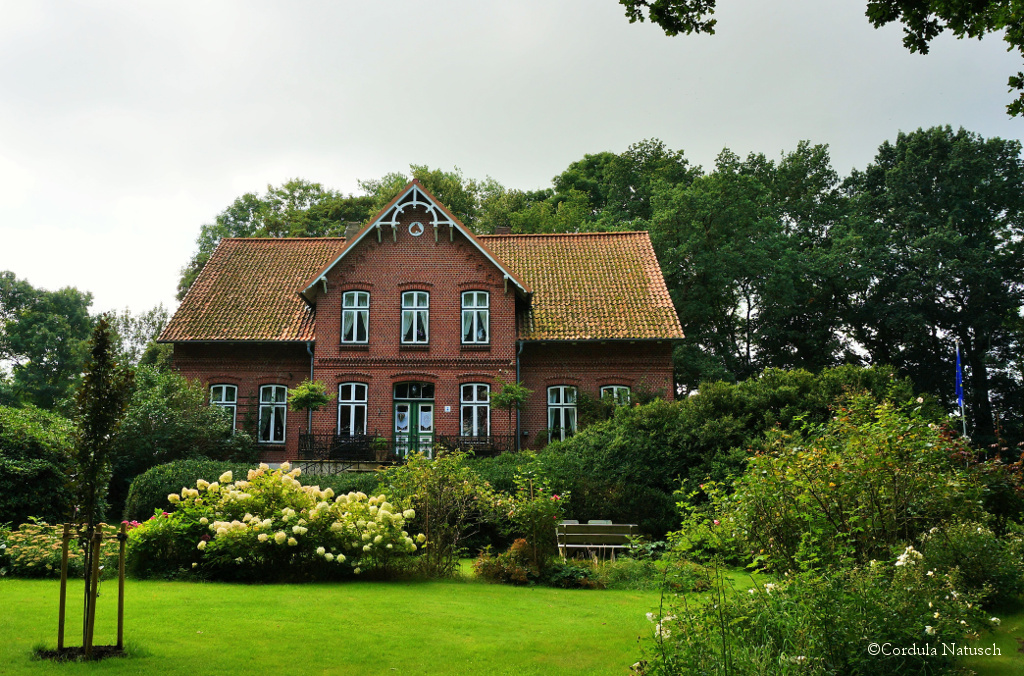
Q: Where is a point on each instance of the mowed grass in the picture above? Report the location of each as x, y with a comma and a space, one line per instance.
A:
350, 628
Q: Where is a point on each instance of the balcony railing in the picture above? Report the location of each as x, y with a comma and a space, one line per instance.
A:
482, 447
366, 448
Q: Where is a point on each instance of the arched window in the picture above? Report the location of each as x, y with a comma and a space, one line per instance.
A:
475, 413
561, 412
226, 397
476, 317
415, 317
273, 413
355, 317
351, 409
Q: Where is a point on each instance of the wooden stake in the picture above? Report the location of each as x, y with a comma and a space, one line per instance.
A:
97, 540
63, 586
123, 537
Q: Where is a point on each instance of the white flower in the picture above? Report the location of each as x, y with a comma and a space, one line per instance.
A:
341, 558
174, 498
264, 466
357, 571
292, 542
377, 539
995, 620
929, 629
204, 521
328, 556
769, 587
321, 551
421, 538
367, 548
280, 536
263, 537
202, 484
202, 545
238, 560
409, 514
650, 617
285, 466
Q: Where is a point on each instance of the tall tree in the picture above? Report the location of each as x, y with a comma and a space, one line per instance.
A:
44, 335
296, 208
937, 233
922, 21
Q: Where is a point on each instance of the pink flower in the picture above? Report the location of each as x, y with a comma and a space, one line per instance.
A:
716, 522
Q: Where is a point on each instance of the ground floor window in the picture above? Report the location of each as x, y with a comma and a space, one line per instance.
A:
475, 410
226, 397
618, 393
561, 412
273, 413
351, 409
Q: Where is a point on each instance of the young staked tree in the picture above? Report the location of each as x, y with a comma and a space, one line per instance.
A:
101, 402
511, 397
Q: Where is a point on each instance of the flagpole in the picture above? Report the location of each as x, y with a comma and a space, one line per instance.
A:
960, 387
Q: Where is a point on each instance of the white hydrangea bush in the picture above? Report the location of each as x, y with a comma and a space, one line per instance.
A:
270, 526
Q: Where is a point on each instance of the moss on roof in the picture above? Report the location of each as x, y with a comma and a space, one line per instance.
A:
594, 286
599, 286
247, 291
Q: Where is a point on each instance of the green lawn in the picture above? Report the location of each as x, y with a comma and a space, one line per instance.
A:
361, 628
352, 628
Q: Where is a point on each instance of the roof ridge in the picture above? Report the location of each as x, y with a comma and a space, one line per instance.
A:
570, 234
279, 239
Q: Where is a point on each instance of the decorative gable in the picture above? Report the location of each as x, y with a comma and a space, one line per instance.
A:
387, 222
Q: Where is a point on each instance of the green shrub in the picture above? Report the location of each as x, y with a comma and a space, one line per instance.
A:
812, 623
451, 501
510, 567
986, 564
874, 478
169, 419
500, 471
269, 527
35, 454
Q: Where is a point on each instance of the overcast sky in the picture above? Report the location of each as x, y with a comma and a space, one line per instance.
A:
124, 126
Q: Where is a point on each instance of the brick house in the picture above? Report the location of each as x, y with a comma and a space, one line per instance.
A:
409, 322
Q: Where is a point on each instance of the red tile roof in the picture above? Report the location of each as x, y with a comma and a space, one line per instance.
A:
246, 291
594, 286
599, 286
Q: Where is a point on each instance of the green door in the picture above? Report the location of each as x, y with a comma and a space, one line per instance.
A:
414, 427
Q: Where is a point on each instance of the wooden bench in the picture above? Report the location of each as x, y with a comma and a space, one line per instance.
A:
595, 538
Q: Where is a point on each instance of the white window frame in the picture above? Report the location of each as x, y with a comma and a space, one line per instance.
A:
476, 315
622, 395
352, 403
222, 401
419, 316
350, 307
560, 406
470, 400
275, 407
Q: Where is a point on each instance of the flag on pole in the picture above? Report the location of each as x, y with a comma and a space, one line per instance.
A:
959, 379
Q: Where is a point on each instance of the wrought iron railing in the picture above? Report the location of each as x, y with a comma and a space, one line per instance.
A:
337, 447
482, 447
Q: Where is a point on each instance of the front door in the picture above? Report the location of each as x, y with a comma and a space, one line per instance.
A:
414, 419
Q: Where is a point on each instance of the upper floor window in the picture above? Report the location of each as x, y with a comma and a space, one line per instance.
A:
351, 409
273, 413
226, 397
619, 394
355, 316
561, 412
415, 317
475, 413
475, 317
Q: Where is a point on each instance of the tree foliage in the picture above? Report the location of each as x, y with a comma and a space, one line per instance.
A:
44, 334
35, 456
939, 218
922, 21
136, 333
